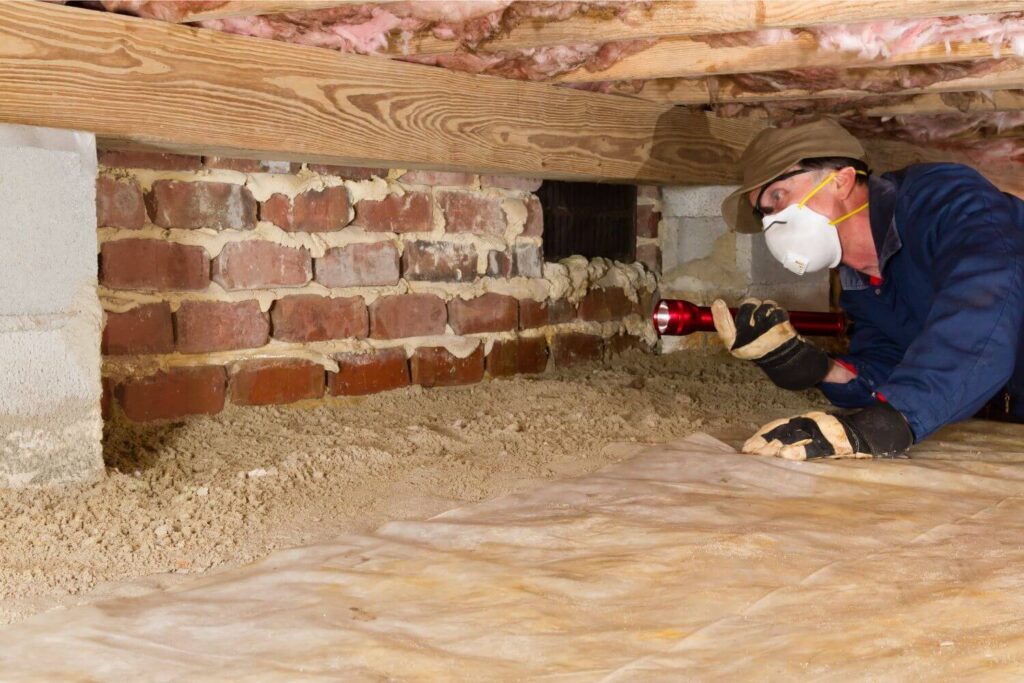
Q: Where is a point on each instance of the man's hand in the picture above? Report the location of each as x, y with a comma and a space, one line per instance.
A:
762, 333
877, 431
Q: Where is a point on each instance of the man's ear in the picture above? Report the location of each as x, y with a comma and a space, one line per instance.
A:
846, 180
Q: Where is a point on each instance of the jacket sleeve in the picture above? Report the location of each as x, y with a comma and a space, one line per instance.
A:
872, 356
974, 240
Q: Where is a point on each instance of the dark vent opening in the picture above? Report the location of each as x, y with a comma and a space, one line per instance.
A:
589, 219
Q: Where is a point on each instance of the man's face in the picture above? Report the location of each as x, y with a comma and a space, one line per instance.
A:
777, 195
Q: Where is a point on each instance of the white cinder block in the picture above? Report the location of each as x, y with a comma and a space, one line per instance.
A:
47, 203
695, 201
50, 316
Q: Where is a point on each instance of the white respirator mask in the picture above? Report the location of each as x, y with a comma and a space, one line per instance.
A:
803, 240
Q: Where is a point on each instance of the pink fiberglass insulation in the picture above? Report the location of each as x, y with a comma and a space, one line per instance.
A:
931, 128
372, 27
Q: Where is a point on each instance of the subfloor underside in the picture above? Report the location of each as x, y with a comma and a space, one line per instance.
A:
684, 561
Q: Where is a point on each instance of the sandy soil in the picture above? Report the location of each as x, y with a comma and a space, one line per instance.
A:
208, 493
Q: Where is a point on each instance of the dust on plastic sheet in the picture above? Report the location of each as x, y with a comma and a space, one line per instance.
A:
688, 561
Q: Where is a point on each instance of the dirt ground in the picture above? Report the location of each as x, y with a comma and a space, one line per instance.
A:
213, 492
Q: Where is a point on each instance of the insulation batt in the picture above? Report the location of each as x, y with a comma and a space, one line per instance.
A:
372, 28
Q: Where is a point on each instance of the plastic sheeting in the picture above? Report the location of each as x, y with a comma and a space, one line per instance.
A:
687, 562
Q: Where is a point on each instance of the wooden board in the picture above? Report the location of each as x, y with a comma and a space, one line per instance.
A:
888, 155
695, 17
997, 100
696, 91
223, 9
165, 86
688, 58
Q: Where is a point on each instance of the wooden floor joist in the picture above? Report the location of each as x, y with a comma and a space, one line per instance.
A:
688, 58
887, 155
695, 17
933, 103
165, 86
226, 9
698, 91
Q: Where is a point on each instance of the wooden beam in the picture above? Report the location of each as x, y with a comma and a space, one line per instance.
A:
225, 9
177, 88
888, 155
697, 91
695, 17
687, 58
935, 104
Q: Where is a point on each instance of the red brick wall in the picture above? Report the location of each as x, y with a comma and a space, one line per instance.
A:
229, 280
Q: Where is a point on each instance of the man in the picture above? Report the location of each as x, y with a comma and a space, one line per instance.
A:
931, 262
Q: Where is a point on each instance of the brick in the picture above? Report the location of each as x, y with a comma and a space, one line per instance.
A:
359, 265
220, 206
486, 313
438, 178
576, 347
532, 313
525, 355
252, 165
499, 264
173, 394
153, 265
407, 315
349, 172
602, 305
439, 261
369, 373
152, 160
411, 212
621, 343
309, 318
650, 256
119, 203
508, 182
472, 213
106, 398
529, 260
311, 211
255, 264
560, 311
647, 220
145, 329
435, 366
205, 326
275, 381
648, 192
534, 218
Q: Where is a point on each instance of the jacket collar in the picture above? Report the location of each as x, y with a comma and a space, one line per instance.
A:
882, 195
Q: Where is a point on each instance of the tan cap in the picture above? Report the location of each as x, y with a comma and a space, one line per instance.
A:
774, 150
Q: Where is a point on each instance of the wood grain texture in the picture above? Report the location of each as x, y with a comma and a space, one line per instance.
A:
139, 83
997, 100
224, 9
888, 155
696, 91
687, 58
695, 17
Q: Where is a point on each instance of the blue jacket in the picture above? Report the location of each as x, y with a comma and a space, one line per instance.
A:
941, 334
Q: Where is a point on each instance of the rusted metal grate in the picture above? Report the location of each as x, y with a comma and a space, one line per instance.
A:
589, 219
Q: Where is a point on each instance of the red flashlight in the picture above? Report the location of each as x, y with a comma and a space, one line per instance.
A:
676, 317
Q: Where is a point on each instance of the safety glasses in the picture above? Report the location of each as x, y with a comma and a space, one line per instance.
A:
761, 213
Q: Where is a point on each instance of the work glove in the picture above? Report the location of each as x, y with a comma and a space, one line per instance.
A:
762, 333
878, 431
